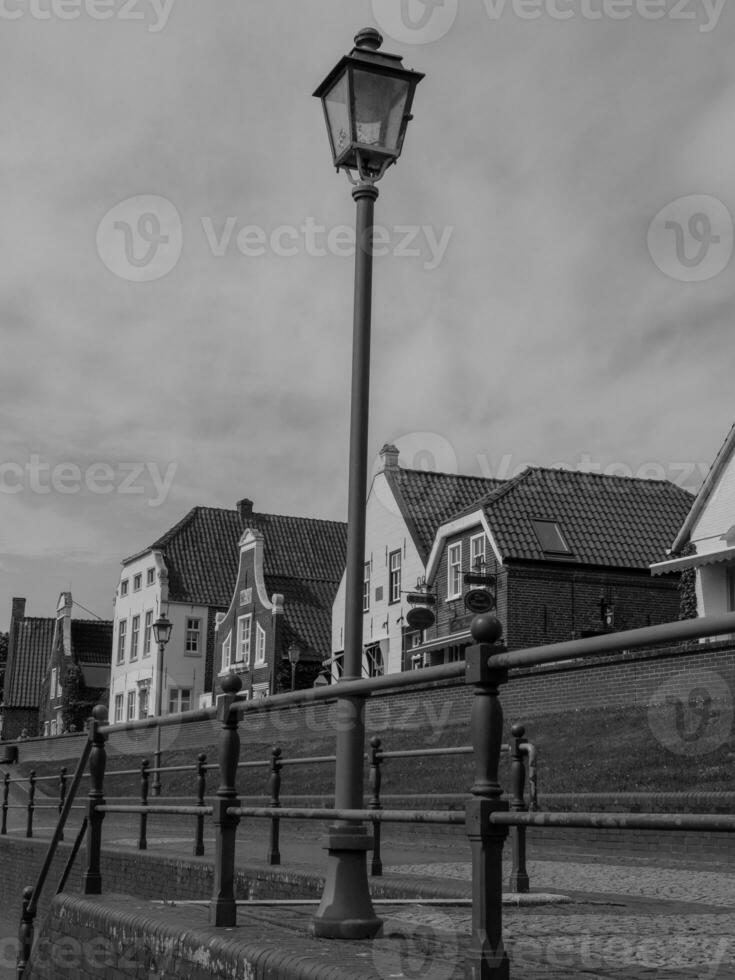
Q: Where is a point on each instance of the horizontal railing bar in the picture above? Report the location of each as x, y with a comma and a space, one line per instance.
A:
382, 816
155, 808
598, 646
415, 753
183, 718
307, 760
255, 902
44, 779
347, 688
253, 764
619, 821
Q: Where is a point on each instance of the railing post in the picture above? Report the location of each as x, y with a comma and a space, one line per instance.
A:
274, 785
62, 794
31, 798
375, 779
92, 878
201, 790
6, 794
519, 875
223, 909
143, 822
487, 959
25, 933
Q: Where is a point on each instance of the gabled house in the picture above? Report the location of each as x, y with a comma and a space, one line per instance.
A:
77, 675
569, 553
281, 607
404, 509
58, 669
190, 574
30, 639
704, 544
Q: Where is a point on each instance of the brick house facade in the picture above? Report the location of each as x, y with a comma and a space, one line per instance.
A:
569, 555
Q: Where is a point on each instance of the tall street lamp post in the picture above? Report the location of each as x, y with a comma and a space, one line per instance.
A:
367, 100
161, 634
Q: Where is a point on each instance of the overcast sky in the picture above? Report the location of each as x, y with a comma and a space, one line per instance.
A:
176, 300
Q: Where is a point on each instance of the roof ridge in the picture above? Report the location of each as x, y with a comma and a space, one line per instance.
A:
606, 476
262, 513
97, 622
460, 476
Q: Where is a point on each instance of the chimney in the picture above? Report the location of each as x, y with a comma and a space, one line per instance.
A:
18, 610
245, 509
389, 454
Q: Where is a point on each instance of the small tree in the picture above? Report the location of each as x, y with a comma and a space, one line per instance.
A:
75, 703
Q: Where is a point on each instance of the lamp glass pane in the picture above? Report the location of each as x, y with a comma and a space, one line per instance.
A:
379, 108
337, 109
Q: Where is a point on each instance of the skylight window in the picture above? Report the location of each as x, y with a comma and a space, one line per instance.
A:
550, 538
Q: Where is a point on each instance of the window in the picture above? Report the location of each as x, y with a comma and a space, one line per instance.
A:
144, 695
192, 635
150, 576
246, 596
131, 706
124, 587
137, 582
54, 727
52, 689
134, 637
260, 691
374, 661
549, 536
227, 651
731, 589
477, 552
46, 728
394, 576
243, 639
118, 708
454, 570
147, 630
122, 630
179, 699
366, 588
259, 644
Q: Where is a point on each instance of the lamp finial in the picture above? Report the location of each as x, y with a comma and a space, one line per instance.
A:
368, 38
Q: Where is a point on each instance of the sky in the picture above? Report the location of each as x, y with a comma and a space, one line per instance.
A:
554, 285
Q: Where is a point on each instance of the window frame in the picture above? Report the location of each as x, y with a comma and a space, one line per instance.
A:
454, 571
130, 706
564, 551
473, 557
137, 581
193, 632
176, 700
118, 707
394, 578
122, 630
150, 577
227, 652
54, 682
245, 658
147, 632
366, 573
260, 640
134, 637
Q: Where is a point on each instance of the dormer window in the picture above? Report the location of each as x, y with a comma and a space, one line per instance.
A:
550, 538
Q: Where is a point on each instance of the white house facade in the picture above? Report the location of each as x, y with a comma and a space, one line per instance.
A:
706, 541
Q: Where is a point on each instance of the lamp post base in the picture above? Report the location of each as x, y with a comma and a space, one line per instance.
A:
346, 910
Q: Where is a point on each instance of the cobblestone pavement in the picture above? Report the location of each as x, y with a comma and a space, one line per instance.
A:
678, 923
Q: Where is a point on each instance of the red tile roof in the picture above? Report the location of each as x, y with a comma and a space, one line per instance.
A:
614, 521
427, 499
202, 555
27, 663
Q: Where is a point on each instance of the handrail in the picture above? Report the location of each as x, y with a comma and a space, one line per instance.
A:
600, 646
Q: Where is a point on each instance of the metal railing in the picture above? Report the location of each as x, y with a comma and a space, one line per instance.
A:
488, 815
